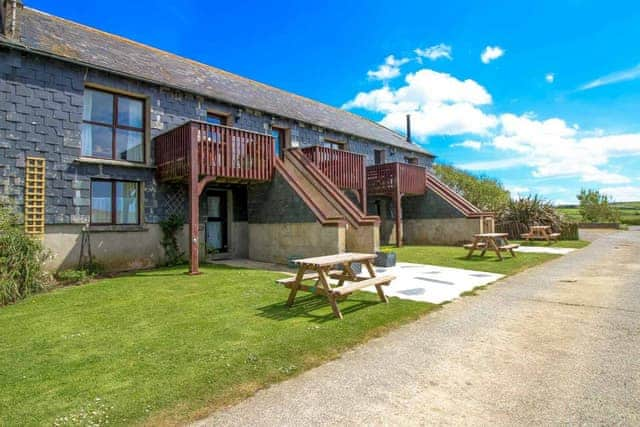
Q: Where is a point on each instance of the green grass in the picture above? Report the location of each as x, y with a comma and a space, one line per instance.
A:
161, 347
629, 212
576, 244
455, 256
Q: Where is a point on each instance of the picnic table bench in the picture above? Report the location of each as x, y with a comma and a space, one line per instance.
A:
496, 242
540, 232
348, 280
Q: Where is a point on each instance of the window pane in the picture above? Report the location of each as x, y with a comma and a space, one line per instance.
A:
277, 140
100, 202
213, 206
130, 112
97, 141
126, 202
214, 119
98, 106
129, 145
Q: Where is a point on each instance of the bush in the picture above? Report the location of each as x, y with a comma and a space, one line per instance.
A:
531, 210
521, 213
170, 228
484, 192
596, 207
21, 259
73, 277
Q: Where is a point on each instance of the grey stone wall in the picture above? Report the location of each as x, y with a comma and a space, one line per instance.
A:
275, 202
41, 115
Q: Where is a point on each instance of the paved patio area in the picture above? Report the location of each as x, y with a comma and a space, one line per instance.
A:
430, 283
544, 250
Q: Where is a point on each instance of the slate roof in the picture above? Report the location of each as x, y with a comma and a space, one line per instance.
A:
51, 35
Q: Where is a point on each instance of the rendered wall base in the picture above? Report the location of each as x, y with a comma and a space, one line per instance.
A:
363, 239
115, 251
276, 242
451, 231
388, 232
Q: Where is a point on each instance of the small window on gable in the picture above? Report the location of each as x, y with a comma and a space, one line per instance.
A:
336, 145
378, 157
411, 160
216, 119
113, 126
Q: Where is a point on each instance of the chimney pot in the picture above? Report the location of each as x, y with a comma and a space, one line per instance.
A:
409, 128
9, 16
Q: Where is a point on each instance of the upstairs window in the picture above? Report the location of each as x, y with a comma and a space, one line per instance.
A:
378, 157
216, 119
113, 126
332, 144
411, 160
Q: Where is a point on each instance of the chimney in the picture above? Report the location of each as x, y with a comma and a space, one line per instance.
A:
409, 128
9, 14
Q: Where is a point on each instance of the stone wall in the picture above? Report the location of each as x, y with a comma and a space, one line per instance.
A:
279, 242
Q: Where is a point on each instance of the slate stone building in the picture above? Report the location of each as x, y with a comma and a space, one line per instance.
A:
127, 135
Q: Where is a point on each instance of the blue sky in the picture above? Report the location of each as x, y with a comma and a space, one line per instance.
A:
553, 107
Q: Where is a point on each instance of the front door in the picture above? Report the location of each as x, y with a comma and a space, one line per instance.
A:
216, 226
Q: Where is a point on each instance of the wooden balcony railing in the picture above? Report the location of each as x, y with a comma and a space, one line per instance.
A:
383, 179
223, 153
345, 169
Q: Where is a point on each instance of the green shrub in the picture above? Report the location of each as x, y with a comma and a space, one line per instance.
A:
596, 207
170, 228
21, 259
73, 277
569, 231
482, 191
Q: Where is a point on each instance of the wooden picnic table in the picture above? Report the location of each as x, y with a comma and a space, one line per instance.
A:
348, 280
497, 242
540, 232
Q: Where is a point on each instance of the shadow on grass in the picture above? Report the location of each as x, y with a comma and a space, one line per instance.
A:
305, 306
478, 258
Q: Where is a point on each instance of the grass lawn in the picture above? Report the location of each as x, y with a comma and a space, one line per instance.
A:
456, 257
162, 347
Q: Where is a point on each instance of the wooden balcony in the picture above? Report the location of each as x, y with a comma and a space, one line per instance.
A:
390, 179
345, 169
222, 153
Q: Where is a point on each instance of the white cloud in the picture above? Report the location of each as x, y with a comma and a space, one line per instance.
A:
623, 194
438, 103
434, 52
550, 77
486, 165
554, 149
469, 143
490, 53
389, 70
441, 104
617, 77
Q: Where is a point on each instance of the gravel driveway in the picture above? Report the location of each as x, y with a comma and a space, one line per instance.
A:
557, 344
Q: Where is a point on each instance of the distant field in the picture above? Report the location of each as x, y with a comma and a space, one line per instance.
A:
630, 212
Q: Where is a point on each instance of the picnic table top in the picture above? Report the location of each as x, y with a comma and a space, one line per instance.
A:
491, 235
328, 260
539, 227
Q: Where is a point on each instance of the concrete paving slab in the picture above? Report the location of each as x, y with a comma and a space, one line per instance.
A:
544, 250
431, 283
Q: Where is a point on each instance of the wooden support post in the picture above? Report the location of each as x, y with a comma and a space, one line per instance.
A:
397, 198
194, 206
363, 193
